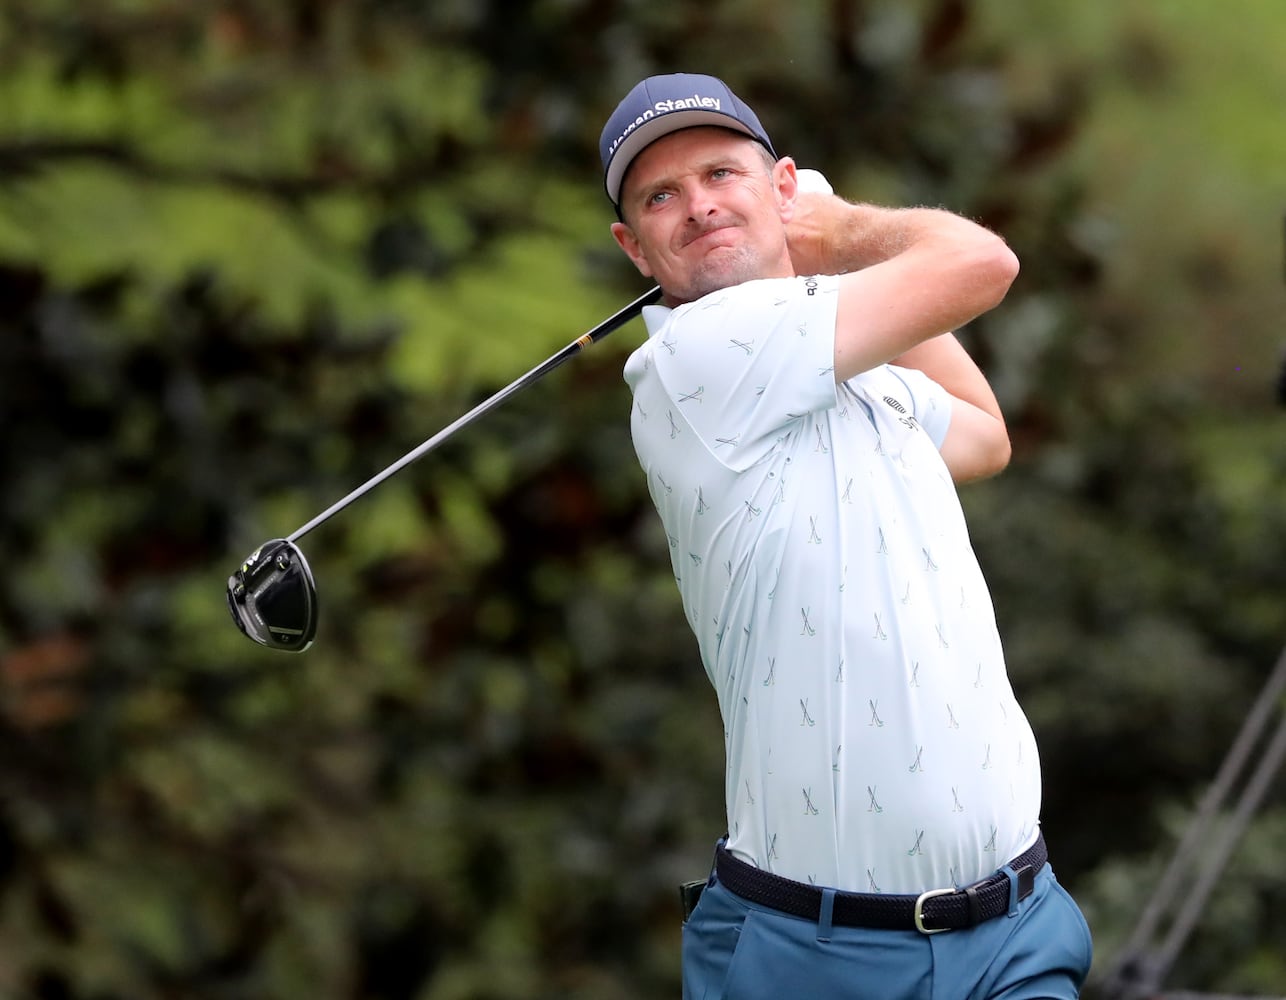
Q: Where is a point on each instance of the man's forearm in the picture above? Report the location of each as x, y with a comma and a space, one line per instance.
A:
828, 235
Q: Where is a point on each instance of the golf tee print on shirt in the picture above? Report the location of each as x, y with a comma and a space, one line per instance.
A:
847, 631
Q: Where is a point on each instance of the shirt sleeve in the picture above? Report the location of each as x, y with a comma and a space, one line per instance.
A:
930, 403
744, 363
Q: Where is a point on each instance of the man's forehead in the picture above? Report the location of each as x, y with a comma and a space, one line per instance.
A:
691, 149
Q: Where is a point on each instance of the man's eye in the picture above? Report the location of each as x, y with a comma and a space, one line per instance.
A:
719, 173
658, 197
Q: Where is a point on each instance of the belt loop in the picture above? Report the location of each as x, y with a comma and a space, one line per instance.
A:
1013, 890
825, 921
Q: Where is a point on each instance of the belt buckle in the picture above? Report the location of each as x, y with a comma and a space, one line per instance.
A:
918, 913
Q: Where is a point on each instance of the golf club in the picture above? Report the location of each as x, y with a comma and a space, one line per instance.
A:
272, 595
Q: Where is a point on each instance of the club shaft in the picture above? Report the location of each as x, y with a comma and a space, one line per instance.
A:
613, 322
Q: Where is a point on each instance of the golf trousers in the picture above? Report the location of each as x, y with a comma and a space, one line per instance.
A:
734, 949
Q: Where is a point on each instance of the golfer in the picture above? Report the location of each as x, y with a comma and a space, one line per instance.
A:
802, 418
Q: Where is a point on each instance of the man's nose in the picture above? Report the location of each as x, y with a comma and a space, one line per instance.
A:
700, 201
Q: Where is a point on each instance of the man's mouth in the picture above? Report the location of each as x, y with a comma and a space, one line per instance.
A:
713, 231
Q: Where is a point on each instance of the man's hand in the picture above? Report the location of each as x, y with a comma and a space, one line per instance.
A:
812, 233
817, 218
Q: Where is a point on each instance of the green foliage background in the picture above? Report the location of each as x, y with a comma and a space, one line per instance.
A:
253, 252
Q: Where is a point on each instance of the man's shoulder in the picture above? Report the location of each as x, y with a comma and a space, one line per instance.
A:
757, 299
758, 290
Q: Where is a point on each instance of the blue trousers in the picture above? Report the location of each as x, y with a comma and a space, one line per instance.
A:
737, 950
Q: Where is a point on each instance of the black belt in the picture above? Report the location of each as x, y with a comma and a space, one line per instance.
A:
929, 912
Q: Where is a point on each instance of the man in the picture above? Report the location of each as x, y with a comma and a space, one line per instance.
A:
801, 418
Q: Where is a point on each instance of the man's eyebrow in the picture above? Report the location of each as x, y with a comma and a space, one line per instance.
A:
716, 161
721, 160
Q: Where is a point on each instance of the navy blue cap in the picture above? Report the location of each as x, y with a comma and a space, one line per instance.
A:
663, 104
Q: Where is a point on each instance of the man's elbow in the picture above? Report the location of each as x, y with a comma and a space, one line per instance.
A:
999, 454
999, 267
988, 457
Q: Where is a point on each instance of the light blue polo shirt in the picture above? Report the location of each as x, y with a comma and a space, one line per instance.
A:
873, 740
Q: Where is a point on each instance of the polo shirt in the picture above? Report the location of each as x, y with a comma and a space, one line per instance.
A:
873, 742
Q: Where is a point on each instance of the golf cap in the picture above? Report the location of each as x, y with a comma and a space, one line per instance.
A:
660, 105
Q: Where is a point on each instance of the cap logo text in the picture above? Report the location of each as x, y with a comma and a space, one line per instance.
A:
665, 107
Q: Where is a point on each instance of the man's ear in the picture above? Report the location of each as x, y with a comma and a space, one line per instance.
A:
786, 184
626, 240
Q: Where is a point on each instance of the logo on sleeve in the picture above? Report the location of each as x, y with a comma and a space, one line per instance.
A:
905, 416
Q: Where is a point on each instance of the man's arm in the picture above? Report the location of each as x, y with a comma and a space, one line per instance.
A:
977, 441
908, 275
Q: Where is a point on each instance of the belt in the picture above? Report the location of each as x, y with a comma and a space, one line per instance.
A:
930, 912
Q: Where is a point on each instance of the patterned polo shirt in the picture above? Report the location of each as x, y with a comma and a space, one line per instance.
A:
873, 740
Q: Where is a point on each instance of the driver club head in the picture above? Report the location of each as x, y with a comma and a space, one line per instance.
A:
273, 599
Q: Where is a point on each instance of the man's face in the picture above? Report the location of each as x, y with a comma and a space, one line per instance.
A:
703, 210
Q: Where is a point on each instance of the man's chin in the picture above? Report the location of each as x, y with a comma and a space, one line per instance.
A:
723, 271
